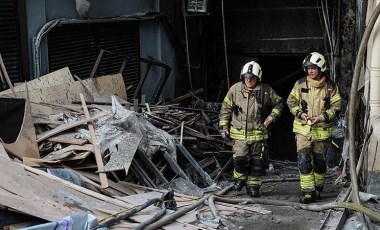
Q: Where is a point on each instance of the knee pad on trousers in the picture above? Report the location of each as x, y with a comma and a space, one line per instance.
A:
304, 163
256, 166
241, 164
320, 166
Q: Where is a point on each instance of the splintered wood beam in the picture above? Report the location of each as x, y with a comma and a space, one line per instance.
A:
183, 97
223, 169
67, 126
153, 167
175, 167
6, 75
98, 156
96, 65
195, 164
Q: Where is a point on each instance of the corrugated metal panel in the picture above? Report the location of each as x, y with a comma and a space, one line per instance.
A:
10, 39
77, 46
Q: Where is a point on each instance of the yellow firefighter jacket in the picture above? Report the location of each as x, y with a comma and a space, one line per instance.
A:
244, 111
323, 101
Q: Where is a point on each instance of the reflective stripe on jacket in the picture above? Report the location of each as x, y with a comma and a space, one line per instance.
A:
324, 102
251, 109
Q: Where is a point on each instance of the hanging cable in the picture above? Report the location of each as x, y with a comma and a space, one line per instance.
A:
353, 97
331, 42
330, 47
326, 23
225, 45
187, 44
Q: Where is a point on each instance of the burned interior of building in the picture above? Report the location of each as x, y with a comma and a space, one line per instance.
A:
123, 97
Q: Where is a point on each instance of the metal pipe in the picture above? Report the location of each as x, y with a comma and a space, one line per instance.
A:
129, 213
51, 24
183, 211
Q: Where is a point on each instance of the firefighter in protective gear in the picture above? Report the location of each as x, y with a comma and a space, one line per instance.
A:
247, 110
314, 101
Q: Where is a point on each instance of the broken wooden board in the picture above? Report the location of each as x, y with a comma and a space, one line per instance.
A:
69, 91
106, 86
25, 144
67, 138
38, 121
96, 149
58, 77
34, 162
122, 159
112, 184
67, 151
42, 195
59, 94
68, 126
77, 159
3, 153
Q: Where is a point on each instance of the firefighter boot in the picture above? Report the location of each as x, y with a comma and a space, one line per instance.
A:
253, 190
318, 191
238, 185
307, 197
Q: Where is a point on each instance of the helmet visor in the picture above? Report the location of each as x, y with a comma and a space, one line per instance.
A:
248, 75
308, 64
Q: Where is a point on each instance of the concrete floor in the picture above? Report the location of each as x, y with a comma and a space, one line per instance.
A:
284, 217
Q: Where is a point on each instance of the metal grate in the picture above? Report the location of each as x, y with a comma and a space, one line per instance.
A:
10, 39
197, 6
77, 46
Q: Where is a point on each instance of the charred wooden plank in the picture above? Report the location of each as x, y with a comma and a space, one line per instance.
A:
195, 164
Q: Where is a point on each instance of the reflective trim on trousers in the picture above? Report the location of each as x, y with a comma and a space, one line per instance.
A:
307, 182
240, 176
319, 179
254, 180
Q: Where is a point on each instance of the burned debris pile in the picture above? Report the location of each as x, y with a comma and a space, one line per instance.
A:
78, 151
76, 148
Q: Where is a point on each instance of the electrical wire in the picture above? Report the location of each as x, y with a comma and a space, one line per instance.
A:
225, 45
187, 44
327, 28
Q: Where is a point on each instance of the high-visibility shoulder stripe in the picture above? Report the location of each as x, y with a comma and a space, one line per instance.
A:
295, 94
335, 98
228, 101
330, 115
276, 112
223, 122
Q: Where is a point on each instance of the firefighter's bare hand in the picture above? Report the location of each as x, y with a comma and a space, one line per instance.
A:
304, 117
224, 134
268, 121
314, 120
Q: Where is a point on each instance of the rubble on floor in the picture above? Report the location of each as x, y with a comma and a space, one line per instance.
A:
79, 152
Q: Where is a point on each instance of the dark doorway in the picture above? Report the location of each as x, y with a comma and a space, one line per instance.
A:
281, 72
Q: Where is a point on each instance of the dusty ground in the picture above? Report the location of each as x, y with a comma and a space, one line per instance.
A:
284, 217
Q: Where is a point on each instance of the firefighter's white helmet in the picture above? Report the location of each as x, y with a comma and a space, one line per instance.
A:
251, 69
314, 58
